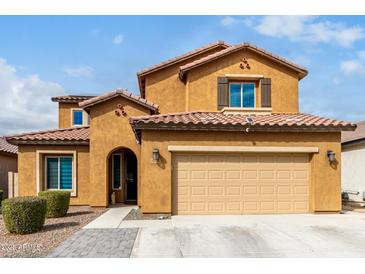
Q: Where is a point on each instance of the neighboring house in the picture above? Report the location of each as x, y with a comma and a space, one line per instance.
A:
353, 163
8, 162
214, 131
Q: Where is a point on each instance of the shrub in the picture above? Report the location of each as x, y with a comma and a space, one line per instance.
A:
58, 202
1, 195
24, 215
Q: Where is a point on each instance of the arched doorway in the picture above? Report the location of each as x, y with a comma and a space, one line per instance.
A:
123, 176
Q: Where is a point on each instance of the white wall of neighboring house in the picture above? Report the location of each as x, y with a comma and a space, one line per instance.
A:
353, 170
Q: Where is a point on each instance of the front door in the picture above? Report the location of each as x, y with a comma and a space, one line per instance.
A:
130, 177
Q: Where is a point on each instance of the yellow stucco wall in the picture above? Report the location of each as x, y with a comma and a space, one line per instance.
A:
200, 90
156, 179
202, 82
108, 133
27, 169
164, 88
64, 114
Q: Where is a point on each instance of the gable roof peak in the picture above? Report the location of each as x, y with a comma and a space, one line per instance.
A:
302, 72
119, 92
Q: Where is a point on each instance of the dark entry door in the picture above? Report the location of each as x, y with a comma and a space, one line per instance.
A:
130, 177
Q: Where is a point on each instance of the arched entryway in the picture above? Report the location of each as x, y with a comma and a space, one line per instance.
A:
123, 176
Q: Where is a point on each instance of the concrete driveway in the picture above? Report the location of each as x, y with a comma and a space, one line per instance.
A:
340, 235
307, 235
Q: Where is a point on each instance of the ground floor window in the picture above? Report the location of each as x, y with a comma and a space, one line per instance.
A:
59, 172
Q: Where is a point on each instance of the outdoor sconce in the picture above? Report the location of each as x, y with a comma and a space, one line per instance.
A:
155, 155
331, 156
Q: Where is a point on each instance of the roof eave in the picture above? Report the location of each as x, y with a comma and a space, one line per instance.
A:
8, 153
236, 127
141, 74
48, 142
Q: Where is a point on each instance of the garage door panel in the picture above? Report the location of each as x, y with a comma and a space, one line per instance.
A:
251, 190
300, 174
241, 183
233, 174
233, 191
216, 174
198, 190
284, 174
249, 174
267, 174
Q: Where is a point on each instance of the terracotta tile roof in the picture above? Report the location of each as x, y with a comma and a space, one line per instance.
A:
183, 69
119, 92
183, 56
75, 135
357, 135
239, 122
71, 98
6, 147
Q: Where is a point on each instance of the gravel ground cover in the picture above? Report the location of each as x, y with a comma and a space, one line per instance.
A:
136, 214
54, 232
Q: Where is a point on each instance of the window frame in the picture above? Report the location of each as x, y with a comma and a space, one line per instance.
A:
59, 171
241, 93
121, 171
85, 117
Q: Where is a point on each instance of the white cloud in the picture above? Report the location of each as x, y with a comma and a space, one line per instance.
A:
26, 101
352, 67
361, 54
118, 39
79, 71
307, 28
229, 21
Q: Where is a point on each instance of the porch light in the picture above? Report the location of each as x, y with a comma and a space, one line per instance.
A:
155, 155
331, 156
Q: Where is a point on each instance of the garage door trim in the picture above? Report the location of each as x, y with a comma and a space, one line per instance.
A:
308, 197
263, 149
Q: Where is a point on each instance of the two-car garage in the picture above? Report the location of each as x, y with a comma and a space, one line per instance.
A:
240, 183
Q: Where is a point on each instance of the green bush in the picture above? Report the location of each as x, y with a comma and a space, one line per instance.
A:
23, 215
1, 195
58, 202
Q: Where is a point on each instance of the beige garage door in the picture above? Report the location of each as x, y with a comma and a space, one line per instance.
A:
240, 184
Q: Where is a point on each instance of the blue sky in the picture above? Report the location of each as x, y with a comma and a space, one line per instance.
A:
45, 56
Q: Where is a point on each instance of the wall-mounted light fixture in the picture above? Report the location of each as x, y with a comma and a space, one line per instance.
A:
155, 155
331, 156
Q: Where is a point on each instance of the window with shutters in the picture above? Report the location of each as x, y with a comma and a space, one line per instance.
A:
59, 172
242, 94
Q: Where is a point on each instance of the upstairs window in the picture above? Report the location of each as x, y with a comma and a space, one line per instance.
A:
242, 95
77, 117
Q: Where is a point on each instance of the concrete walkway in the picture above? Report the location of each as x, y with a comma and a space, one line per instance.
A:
111, 218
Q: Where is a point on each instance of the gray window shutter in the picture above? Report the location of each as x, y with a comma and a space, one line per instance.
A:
266, 92
223, 93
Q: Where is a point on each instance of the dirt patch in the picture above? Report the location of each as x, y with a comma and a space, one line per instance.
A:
136, 214
54, 232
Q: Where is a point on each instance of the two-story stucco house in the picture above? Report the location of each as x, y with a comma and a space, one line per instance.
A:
214, 131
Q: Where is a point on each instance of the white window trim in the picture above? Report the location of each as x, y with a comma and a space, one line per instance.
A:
59, 171
121, 171
39, 155
241, 84
85, 120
